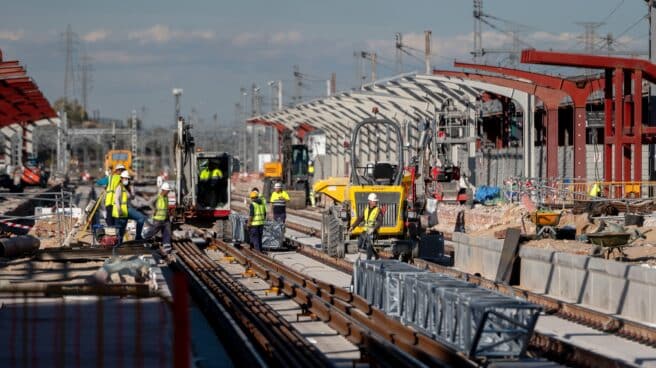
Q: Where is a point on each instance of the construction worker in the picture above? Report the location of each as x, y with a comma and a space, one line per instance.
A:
595, 190
278, 200
215, 175
204, 182
120, 206
373, 219
310, 169
160, 221
256, 219
310, 176
135, 214
113, 181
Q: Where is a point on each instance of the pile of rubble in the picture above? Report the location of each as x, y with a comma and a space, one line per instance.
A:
492, 221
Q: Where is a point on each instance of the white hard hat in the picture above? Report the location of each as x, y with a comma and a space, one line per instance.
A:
277, 186
165, 186
372, 197
119, 167
125, 175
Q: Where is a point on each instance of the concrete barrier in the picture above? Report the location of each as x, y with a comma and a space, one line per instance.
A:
475, 254
606, 285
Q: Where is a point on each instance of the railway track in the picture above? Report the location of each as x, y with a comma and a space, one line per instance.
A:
279, 343
385, 340
543, 345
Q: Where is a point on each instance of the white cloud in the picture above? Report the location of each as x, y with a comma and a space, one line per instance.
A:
461, 45
11, 35
246, 38
95, 36
289, 37
161, 34
278, 38
121, 57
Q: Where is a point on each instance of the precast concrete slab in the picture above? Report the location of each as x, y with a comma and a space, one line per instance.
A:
313, 268
596, 341
302, 238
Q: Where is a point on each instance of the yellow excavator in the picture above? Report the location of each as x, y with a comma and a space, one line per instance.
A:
388, 180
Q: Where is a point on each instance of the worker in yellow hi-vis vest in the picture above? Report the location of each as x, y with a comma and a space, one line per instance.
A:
120, 208
161, 218
373, 220
256, 220
595, 190
279, 199
113, 181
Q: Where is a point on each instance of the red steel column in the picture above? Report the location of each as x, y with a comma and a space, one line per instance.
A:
618, 80
552, 141
609, 136
637, 123
627, 138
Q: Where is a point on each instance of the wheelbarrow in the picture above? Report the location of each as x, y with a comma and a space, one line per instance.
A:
545, 223
611, 241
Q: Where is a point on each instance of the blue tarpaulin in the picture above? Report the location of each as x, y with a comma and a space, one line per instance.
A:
486, 193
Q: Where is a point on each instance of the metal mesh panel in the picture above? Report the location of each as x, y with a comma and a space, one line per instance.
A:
238, 223
477, 321
273, 235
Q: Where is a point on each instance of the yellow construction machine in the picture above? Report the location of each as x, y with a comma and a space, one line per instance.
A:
291, 170
389, 180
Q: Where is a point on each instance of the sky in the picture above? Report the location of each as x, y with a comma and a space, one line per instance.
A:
140, 50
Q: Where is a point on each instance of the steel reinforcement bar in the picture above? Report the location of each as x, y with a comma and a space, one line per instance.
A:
351, 315
280, 343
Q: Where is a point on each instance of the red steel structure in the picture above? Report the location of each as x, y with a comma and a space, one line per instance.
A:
624, 131
578, 91
21, 101
551, 98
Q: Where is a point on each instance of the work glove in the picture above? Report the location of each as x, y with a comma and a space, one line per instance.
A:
370, 231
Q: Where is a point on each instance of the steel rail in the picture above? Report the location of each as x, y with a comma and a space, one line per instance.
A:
281, 343
346, 312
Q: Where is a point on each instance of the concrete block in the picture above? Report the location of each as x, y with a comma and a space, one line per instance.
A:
536, 254
536, 275
643, 275
570, 276
605, 288
595, 290
639, 301
571, 260
460, 237
613, 268
494, 245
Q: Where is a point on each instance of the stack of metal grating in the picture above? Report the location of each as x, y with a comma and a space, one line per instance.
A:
476, 321
273, 236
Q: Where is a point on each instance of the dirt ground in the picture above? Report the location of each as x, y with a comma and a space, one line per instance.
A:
487, 220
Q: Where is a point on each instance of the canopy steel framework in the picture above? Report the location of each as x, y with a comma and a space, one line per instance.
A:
624, 130
21, 101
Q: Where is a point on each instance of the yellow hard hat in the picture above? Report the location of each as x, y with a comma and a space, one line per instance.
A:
254, 194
